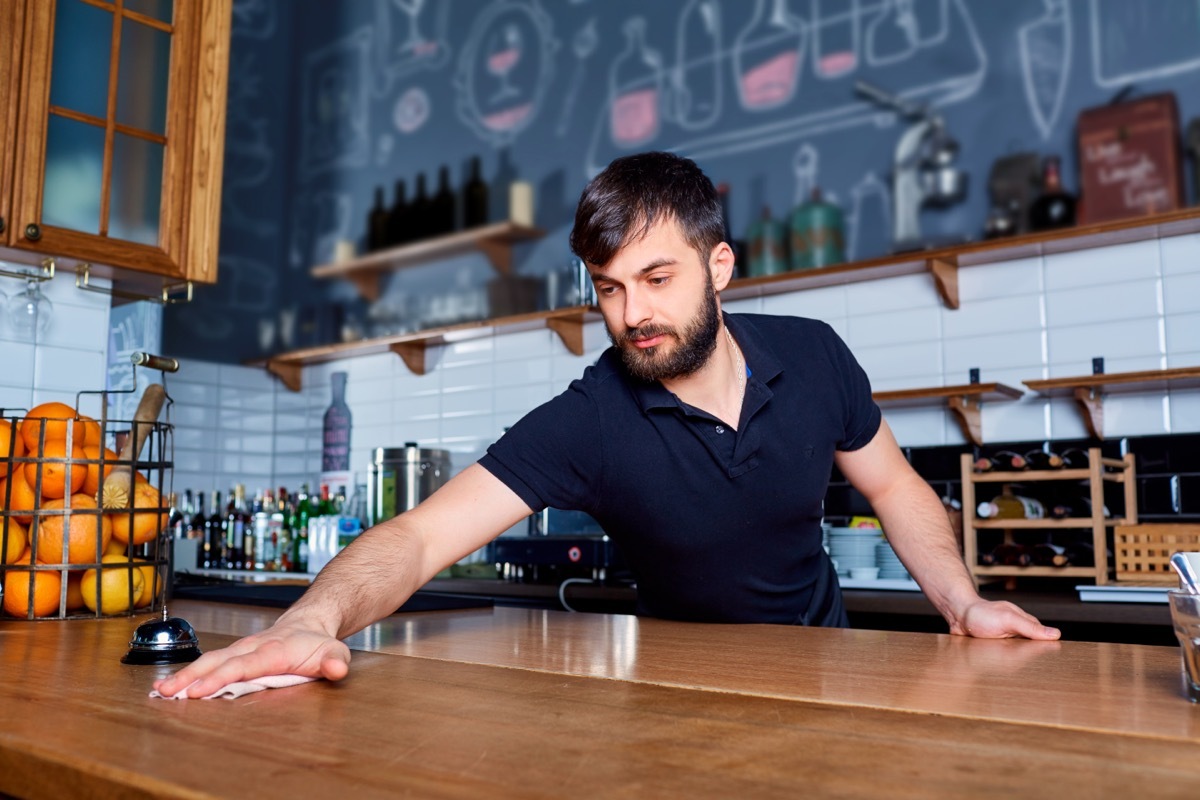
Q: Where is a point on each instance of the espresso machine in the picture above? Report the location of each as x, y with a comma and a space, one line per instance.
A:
923, 171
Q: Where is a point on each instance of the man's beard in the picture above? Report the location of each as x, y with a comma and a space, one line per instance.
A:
692, 350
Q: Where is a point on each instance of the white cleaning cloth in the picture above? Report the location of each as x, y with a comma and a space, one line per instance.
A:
236, 690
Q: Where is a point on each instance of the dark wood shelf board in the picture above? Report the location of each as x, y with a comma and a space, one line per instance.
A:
1089, 390
964, 400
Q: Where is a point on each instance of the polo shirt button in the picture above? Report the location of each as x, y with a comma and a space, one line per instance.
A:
720, 429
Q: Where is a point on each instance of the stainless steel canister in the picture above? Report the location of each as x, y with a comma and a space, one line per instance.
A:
401, 477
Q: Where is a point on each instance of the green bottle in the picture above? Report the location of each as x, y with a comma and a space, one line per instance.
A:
818, 235
767, 238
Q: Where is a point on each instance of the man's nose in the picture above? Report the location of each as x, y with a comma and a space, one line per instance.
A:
637, 310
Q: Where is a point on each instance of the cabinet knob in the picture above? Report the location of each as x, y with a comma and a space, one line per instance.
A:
33, 232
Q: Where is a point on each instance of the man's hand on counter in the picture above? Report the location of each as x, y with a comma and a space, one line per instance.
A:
999, 619
286, 648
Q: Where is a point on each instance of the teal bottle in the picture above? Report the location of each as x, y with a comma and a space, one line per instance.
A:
767, 239
818, 235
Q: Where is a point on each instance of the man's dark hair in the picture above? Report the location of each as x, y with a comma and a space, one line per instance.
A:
633, 193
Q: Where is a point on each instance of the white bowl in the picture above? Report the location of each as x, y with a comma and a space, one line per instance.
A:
864, 573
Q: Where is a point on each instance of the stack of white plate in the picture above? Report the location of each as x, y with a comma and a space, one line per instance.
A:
889, 564
852, 548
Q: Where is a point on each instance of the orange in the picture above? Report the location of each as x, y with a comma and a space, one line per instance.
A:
18, 537
54, 473
116, 594
74, 590
92, 435
46, 587
91, 482
8, 440
22, 500
57, 416
146, 524
149, 585
81, 536
115, 548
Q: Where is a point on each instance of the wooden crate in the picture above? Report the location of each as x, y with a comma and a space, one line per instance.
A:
1142, 553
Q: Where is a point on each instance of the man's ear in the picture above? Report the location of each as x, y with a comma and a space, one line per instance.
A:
721, 263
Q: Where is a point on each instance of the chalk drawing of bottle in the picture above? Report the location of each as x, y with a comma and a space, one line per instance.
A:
870, 220
698, 75
636, 89
835, 38
767, 56
1045, 47
893, 36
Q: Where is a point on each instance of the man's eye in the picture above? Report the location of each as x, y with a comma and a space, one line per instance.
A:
658, 280
607, 291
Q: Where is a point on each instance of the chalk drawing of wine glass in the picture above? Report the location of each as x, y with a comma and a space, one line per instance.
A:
503, 54
411, 9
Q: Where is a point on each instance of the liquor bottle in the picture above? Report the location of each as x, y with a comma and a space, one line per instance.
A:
767, 56
443, 204
281, 522
261, 523
1006, 554
1007, 505
635, 89
1054, 207
766, 240
196, 525
818, 234
377, 223
235, 528
176, 521
300, 516
475, 198
1048, 554
1004, 461
335, 450
1074, 458
1040, 459
399, 231
214, 535
419, 212
249, 548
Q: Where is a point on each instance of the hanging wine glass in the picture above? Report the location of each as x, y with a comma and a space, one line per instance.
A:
29, 312
503, 55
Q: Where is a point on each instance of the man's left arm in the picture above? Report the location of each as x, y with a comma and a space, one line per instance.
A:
919, 530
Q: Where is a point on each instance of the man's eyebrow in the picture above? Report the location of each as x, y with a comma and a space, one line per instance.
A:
664, 261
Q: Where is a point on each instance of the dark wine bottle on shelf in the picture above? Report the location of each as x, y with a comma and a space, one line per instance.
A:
1079, 507
1074, 458
1081, 554
443, 204
1040, 459
1048, 554
475, 198
335, 448
1054, 207
398, 229
1006, 554
1004, 461
420, 212
377, 223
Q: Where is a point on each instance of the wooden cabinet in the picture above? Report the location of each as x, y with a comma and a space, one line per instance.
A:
112, 123
1028, 531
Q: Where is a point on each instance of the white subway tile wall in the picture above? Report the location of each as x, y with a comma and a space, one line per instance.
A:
1136, 305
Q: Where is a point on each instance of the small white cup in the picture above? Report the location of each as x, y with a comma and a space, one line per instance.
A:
864, 573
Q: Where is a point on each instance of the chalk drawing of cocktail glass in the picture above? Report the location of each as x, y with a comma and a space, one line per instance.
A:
503, 54
411, 9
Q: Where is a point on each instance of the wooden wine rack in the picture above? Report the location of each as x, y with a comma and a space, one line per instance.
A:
1098, 471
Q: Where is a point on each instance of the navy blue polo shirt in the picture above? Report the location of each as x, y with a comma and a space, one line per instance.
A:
717, 525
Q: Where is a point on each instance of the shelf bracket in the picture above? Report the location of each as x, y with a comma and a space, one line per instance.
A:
412, 354
367, 284
966, 413
945, 276
288, 373
570, 330
499, 252
1091, 405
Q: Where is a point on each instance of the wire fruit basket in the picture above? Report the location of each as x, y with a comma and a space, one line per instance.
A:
83, 506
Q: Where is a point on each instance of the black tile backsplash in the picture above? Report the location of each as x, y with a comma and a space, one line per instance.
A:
1168, 476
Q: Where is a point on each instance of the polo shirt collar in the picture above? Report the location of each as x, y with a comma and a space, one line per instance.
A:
763, 363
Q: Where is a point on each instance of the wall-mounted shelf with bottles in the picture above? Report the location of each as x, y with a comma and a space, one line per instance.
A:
495, 241
943, 263
1088, 390
964, 401
566, 322
1098, 471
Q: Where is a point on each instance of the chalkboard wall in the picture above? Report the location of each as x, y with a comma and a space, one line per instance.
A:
329, 101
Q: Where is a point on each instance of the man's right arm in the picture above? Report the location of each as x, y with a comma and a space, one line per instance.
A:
367, 581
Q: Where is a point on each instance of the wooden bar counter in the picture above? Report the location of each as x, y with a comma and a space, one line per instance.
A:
509, 702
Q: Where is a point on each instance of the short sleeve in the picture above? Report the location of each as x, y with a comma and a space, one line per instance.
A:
552, 456
861, 414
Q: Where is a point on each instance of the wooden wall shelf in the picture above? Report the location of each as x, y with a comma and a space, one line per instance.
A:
964, 400
495, 241
1088, 390
566, 322
943, 263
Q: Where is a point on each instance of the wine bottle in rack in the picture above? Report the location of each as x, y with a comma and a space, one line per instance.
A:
1074, 458
1042, 459
1003, 461
1048, 554
1007, 505
1006, 554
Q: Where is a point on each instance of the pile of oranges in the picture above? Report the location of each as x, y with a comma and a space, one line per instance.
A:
49, 515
